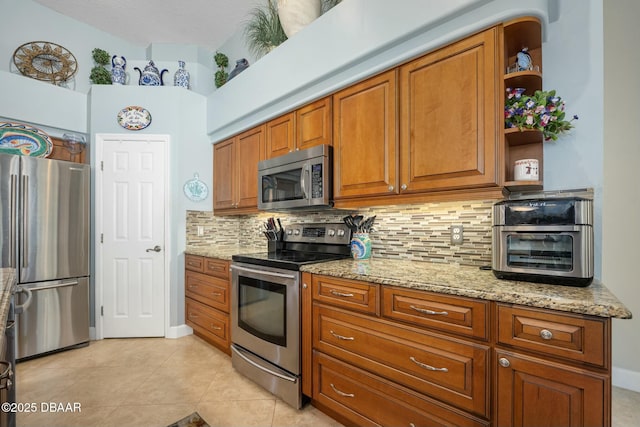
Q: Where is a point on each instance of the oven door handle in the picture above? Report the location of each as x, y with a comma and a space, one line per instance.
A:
262, 368
267, 273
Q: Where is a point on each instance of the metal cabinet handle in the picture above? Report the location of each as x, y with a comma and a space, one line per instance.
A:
216, 294
391, 188
193, 286
546, 334
504, 362
427, 367
342, 393
403, 187
193, 316
341, 337
215, 328
431, 312
340, 294
156, 248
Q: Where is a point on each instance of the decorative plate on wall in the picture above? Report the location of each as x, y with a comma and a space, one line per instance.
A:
195, 189
134, 118
25, 140
45, 61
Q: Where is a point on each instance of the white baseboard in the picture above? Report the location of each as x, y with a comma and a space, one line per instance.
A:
179, 331
625, 378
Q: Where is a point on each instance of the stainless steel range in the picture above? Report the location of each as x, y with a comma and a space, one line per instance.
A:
265, 305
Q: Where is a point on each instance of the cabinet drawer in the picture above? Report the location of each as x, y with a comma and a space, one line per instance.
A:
457, 315
208, 290
216, 267
367, 399
194, 263
572, 337
445, 368
351, 294
208, 323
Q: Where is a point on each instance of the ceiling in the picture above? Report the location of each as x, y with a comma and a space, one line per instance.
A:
208, 23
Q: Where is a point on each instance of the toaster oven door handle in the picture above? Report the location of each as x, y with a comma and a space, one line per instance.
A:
264, 272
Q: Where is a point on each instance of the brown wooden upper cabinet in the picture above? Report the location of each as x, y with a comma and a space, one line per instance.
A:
365, 138
304, 128
235, 172
440, 132
60, 152
449, 117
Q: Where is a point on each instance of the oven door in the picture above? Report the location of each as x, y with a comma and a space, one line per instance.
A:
561, 251
265, 313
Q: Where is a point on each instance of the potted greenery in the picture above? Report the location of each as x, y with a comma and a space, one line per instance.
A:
263, 30
222, 61
99, 74
544, 111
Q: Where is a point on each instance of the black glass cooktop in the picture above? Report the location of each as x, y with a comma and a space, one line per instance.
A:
289, 260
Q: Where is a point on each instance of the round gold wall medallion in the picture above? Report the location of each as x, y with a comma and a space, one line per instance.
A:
45, 61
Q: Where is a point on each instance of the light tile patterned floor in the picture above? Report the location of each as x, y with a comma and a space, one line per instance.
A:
154, 382
150, 382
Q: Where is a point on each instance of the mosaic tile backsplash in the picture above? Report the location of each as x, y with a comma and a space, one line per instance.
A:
409, 232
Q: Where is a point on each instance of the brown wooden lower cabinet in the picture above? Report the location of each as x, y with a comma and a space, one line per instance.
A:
363, 398
533, 392
207, 299
453, 361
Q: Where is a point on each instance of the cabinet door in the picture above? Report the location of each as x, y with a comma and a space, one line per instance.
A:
313, 124
281, 135
449, 113
365, 138
250, 151
224, 179
534, 392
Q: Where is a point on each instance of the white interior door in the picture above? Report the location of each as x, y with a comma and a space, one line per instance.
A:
133, 237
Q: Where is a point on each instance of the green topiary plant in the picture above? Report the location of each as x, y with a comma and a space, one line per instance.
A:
99, 74
264, 31
221, 75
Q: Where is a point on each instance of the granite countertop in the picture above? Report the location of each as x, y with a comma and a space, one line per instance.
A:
7, 283
223, 252
594, 299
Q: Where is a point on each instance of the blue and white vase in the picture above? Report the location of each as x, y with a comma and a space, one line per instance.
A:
118, 75
181, 77
151, 76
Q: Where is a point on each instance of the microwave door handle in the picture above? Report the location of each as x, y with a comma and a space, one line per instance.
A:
303, 181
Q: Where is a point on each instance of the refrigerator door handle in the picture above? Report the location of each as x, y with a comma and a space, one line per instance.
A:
14, 213
25, 219
57, 285
25, 305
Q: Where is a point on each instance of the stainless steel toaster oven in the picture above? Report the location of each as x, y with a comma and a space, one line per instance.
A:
546, 240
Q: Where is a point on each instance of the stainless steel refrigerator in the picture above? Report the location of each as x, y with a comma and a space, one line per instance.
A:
44, 233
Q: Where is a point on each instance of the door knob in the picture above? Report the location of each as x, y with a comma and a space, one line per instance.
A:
156, 248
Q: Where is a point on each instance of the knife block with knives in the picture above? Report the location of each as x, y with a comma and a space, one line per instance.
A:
274, 235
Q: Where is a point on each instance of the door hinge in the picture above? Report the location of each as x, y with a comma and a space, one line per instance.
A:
102, 310
101, 237
101, 165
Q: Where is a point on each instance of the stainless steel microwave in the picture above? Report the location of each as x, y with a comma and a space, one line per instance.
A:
298, 180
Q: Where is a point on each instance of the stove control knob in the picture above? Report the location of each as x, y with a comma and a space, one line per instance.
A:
296, 232
340, 233
289, 232
331, 232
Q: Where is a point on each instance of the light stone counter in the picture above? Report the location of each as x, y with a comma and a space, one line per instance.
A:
472, 282
223, 252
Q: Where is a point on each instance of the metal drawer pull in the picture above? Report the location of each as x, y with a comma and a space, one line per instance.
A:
341, 337
342, 393
546, 334
425, 311
193, 316
193, 286
216, 294
428, 367
340, 294
215, 328
504, 362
